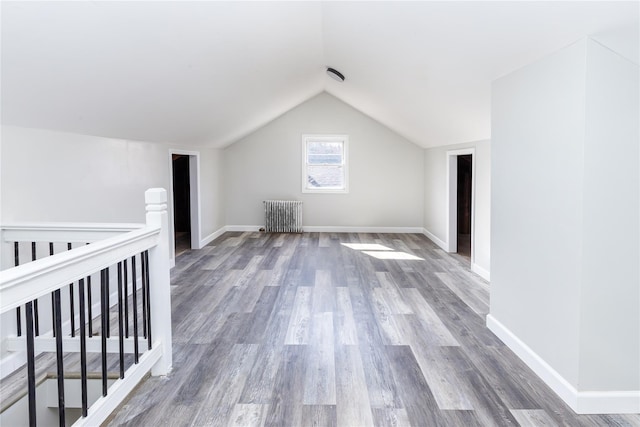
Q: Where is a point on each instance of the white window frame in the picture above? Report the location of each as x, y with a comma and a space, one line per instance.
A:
344, 139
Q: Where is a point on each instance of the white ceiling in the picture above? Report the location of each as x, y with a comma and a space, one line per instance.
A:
211, 72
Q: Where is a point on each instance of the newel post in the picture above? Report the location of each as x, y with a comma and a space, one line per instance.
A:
160, 293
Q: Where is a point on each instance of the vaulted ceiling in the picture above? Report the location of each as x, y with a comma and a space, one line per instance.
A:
211, 72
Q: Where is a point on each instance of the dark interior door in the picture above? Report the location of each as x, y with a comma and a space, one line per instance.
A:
181, 199
464, 205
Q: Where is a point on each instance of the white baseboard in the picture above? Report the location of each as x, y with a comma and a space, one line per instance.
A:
243, 228
334, 229
608, 402
434, 239
550, 376
211, 237
481, 272
582, 402
348, 229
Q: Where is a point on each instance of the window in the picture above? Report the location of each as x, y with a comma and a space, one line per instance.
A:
324, 164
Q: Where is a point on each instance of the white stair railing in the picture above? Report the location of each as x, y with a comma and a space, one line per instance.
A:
132, 261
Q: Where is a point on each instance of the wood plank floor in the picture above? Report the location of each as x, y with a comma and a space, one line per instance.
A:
338, 329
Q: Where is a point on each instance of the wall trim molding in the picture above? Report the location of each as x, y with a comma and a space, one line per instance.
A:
357, 229
582, 402
485, 274
242, 228
213, 236
335, 229
441, 243
608, 402
550, 376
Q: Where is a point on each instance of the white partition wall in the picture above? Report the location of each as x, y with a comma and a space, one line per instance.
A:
564, 226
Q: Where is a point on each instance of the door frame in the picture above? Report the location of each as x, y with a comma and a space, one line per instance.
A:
194, 196
452, 199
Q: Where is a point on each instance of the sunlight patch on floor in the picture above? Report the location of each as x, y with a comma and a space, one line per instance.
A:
393, 255
381, 252
366, 246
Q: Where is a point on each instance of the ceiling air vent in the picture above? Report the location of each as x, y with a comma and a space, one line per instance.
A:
335, 74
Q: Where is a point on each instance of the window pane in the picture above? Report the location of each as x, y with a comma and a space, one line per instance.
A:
325, 163
324, 159
327, 177
324, 152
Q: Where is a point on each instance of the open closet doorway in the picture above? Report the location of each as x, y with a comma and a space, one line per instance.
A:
460, 194
464, 205
181, 203
185, 205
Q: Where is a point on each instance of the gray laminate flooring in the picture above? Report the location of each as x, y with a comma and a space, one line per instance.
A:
338, 329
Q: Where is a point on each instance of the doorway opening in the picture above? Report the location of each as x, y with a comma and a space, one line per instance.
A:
184, 201
460, 196
464, 205
181, 203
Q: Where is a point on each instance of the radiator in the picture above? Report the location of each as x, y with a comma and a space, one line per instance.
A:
283, 216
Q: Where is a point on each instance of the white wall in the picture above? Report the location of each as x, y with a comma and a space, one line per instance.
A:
56, 176
385, 170
564, 226
610, 299
536, 224
436, 194
212, 191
